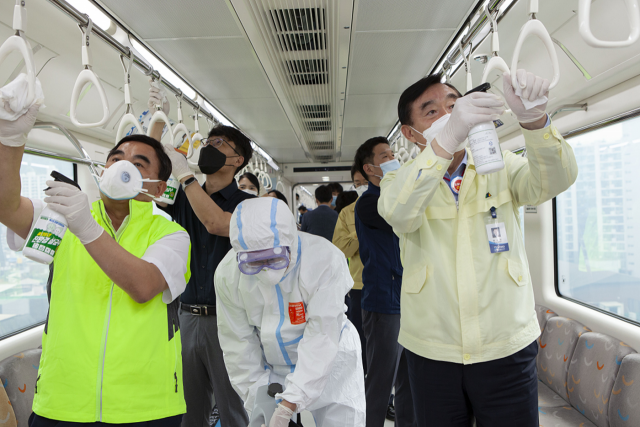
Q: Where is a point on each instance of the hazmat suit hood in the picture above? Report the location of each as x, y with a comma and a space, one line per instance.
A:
264, 223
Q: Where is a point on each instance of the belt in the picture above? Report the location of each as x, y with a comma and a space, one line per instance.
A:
199, 310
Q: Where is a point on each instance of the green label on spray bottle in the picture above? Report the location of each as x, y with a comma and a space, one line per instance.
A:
47, 241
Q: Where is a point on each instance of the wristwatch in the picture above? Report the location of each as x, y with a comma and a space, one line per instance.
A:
189, 182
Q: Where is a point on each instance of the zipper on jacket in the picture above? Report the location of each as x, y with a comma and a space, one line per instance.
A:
113, 234
37, 379
175, 346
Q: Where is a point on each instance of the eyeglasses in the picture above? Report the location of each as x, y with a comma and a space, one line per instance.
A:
217, 143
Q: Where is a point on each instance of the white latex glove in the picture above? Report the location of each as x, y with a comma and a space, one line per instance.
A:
14, 133
179, 166
281, 417
536, 88
156, 95
74, 205
469, 111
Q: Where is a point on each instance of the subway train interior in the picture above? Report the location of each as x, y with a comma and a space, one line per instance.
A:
308, 82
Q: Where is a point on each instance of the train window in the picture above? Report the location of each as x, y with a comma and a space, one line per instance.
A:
23, 283
597, 263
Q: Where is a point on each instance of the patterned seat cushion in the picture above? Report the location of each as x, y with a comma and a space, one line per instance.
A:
564, 416
624, 407
592, 372
544, 314
548, 398
18, 374
556, 346
7, 416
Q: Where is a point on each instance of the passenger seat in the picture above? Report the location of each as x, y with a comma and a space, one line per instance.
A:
556, 346
544, 314
624, 407
18, 374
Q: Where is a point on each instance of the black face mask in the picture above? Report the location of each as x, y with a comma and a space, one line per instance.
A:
211, 160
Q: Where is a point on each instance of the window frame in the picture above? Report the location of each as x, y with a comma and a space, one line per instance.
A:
631, 114
68, 159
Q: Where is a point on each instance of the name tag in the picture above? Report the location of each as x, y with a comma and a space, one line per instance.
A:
496, 233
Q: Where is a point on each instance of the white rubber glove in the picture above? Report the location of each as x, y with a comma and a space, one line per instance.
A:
14, 133
536, 88
179, 166
156, 95
470, 110
74, 205
281, 417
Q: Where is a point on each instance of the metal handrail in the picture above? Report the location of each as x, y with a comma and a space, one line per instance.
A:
84, 156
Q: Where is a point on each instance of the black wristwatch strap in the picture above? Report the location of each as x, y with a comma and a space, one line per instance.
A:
188, 182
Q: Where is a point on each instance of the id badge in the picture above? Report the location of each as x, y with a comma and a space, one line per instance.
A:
496, 233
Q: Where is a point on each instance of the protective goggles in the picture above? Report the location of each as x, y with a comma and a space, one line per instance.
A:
254, 262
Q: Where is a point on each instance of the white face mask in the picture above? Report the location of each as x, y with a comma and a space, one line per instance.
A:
360, 190
252, 192
430, 133
271, 277
123, 181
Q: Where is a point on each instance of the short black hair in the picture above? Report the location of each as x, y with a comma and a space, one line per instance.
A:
242, 143
414, 92
164, 170
252, 178
353, 171
364, 154
323, 194
345, 199
335, 186
279, 195
302, 208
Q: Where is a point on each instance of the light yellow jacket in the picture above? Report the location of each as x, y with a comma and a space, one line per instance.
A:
346, 239
460, 303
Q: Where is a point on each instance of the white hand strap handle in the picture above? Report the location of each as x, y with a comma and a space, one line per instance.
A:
280, 186
536, 28
19, 42
633, 13
180, 128
129, 118
88, 76
196, 136
467, 66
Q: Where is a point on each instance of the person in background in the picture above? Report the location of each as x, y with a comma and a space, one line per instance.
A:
205, 211
322, 220
336, 189
382, 279
249, 183
360, 183
276, 194
302, 210
469, 324
346, 239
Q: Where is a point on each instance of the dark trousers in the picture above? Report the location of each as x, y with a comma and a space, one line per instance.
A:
385, 361
205, 375
38, 421
355, 316
502, 392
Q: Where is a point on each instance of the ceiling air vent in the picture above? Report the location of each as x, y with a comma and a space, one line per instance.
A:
315, 111
308, 72
320, 126
301, 42
321, 145
300, 29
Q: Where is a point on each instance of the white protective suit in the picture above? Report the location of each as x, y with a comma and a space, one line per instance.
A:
317, 361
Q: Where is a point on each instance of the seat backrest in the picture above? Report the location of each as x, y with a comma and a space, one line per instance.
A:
544, 314
593, 370
624, 407
556, 346
18, 374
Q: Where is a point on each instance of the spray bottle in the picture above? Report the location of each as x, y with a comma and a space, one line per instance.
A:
484, 143
48, 231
